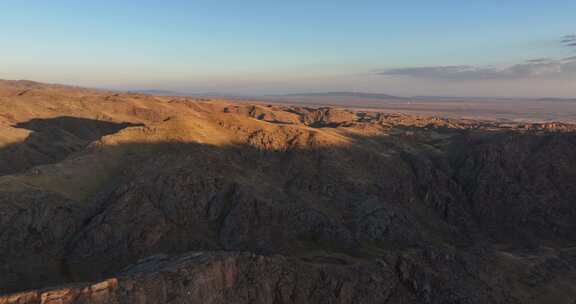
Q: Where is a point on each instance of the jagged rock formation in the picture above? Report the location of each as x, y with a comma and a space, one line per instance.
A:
177, 200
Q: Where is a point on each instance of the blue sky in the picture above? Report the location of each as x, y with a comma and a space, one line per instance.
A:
257, 47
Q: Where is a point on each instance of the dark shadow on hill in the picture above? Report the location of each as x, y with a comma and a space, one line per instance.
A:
83, 128
379, 197
53, 140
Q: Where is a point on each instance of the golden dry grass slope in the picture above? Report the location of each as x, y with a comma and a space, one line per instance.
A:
151, 119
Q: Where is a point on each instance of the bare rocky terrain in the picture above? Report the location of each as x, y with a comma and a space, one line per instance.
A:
110, 197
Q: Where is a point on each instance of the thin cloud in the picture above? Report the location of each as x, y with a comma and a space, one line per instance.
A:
540, 60
569, 40
534, 68
542, 67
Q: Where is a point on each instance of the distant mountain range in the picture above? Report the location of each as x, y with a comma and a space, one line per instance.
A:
159, 92
342, 94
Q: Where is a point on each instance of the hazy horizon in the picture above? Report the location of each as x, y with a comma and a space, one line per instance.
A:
445, 48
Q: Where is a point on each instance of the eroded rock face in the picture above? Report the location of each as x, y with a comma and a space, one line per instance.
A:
523, 185
213, 277
324, 117
421, 276
100, 292
210, 205
34, 229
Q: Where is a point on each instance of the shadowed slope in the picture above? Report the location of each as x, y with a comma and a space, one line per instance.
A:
53, 140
